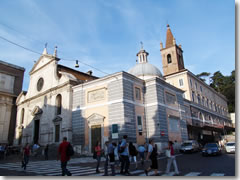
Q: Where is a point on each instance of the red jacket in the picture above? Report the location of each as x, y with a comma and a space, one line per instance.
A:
172, 151
62, 150
26, 151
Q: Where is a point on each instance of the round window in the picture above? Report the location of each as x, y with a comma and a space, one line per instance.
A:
40, 84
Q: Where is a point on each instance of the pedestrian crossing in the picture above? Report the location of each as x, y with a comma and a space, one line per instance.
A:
53, 168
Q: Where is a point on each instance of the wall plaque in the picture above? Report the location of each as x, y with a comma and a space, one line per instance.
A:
96, 95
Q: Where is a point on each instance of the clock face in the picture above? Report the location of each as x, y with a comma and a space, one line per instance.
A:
40, 84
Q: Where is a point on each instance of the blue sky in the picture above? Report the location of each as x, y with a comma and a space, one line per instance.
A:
106, 34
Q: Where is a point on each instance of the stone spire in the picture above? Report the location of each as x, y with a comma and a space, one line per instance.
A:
55, 52
45, 50
170, 39
142, 55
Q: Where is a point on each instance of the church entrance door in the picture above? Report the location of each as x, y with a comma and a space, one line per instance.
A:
95, 135
36, 131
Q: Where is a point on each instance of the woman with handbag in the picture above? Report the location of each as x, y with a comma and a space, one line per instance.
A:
152, 154
171, 158
133, 154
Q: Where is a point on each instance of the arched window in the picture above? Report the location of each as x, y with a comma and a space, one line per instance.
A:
210, 119
45, 100
169, 59
22, 116
193, 96
203, 101
201, 117
199, 99
58, 104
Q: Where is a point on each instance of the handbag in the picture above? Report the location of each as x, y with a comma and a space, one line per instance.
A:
168, 153
94, 155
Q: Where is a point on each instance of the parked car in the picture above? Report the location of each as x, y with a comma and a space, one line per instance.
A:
230, 147
190, 146
211, 149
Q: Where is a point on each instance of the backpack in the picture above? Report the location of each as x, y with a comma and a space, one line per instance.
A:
70, 151
153, 154
136, 152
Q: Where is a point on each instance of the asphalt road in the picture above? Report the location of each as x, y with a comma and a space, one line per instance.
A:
187, 164
195, 162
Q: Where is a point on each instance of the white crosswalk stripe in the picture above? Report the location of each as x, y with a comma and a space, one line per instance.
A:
169, 174
53, 168
217, 174
193, 174
151, 173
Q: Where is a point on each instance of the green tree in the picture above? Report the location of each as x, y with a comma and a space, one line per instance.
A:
226, 86
203, 75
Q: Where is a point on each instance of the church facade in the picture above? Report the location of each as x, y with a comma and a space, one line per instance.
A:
138, 103
44, 112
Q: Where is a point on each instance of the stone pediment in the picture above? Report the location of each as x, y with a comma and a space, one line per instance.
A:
42, 61
95, 119
57, 119
37, 111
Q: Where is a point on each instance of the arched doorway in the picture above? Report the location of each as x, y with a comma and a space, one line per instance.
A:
96, 130
37, 113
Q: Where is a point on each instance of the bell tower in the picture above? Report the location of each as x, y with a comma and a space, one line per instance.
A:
172, 55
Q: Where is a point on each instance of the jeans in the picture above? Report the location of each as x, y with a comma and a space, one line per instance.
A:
125, 163
134, 159
106, 166
25, 161
170, 161
141, 154
98, 162
112, 163
46, 156
64, 169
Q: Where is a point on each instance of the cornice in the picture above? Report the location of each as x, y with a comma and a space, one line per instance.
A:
45, 92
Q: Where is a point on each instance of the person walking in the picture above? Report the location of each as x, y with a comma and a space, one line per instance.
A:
141, 151
46, 152
117, 156
133, 154
26, 154
171, 159
98, 152
106, 159
111, 155
152, 155
35, 149
124, 156
62, 151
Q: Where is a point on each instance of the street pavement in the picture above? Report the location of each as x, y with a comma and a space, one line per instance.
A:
188, 165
